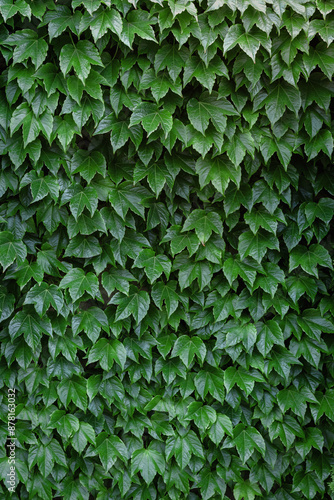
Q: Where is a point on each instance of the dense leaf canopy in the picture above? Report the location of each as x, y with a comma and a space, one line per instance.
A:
166, 248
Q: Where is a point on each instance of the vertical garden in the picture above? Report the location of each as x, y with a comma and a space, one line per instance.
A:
166, 249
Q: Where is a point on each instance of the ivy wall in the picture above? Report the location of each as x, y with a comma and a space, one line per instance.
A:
166, 243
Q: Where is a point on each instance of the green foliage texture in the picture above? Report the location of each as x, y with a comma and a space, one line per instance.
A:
166, 290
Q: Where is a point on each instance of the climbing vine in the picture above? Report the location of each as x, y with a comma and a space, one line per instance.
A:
166, 249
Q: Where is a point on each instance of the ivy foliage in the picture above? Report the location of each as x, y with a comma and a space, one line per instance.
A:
166, 294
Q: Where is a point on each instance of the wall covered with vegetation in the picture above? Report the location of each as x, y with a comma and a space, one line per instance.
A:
166, 289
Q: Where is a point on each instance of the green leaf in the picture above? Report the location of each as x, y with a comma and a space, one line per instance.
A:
110, 449
260, 218
117, 279
256, 245
61, 19
91, 322
326, 404
88, 164
181, 241
31, 326
79, 283
66, 424
137, 22
30, 123
151, 117
86, 224
84, 435
309, 258
105, 20
240, 377
307, 348
44, 296
282, 95
249, 43
83, 247
80, 57
166, 293
246, 490
306, 483
269, 334
135, 304
75, 390
298, 285
46, 455
203, 416
190, 271
148, 462
182, 447
7, 301
28, 45
8, 9
65, 130
51, 78
43, 186
207, 382
121, 132
324, 210
240, 143
209, 107
170, 57
246, 334
126, 196
106, 353
219, 170
311, 320
246, 269
85, 198
11, 249
222, 426
204, 223
154, 265
324, 28
186, 347
323, 141
248, 439
323, 57
90, 5
205, 75
295, 399
113, 223
313, 439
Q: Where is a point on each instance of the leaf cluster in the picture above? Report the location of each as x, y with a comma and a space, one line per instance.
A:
166, 248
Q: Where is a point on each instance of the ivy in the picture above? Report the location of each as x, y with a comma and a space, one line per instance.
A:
166, 249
